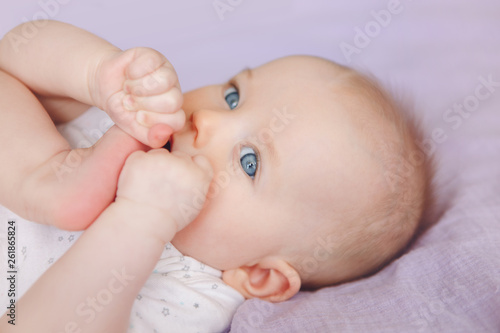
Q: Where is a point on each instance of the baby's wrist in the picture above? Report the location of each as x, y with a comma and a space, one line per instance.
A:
144, 220
95, 70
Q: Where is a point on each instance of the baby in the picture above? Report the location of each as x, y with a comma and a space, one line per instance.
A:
298, 173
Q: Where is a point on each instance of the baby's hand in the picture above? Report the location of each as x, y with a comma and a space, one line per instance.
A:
140, 91
173, 184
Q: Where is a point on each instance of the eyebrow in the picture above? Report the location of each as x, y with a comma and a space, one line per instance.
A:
271, 152
247, 71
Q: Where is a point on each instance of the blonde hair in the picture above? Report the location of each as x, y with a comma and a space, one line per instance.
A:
377, 235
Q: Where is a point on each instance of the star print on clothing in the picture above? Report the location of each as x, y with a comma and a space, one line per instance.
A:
184, 295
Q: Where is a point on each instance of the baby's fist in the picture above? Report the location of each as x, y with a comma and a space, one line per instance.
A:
140, 91
173, 183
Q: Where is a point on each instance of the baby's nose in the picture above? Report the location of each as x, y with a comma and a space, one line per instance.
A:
205, 124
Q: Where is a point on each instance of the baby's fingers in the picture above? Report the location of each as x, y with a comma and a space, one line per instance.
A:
167, 102
175, 120
152, 83
144, 61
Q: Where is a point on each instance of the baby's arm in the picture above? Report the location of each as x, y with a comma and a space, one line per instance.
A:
68, 67
52, 59
60, 63
92, 287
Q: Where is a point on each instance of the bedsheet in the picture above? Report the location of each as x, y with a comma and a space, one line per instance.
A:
442, 56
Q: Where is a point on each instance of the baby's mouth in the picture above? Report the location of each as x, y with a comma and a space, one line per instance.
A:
168, 145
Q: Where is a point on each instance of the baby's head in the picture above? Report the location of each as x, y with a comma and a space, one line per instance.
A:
316, 178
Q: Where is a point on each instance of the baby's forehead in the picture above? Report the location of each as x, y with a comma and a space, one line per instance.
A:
302, 79
303, 61
328, 120
303, 66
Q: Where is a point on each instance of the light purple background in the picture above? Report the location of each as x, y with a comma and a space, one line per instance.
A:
430, 52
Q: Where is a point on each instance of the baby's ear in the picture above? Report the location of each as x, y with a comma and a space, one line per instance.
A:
271, 279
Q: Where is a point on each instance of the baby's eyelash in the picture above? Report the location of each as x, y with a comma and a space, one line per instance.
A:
232, 96
234, 84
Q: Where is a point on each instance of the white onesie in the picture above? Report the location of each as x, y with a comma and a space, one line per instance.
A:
181, 295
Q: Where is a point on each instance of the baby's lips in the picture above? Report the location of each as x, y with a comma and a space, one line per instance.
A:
168, 145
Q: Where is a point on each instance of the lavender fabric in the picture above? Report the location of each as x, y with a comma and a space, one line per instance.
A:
443, 56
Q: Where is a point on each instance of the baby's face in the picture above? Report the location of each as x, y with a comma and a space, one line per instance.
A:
285, 156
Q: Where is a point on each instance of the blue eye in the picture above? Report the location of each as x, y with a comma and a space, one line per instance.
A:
232, 97
249, 161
